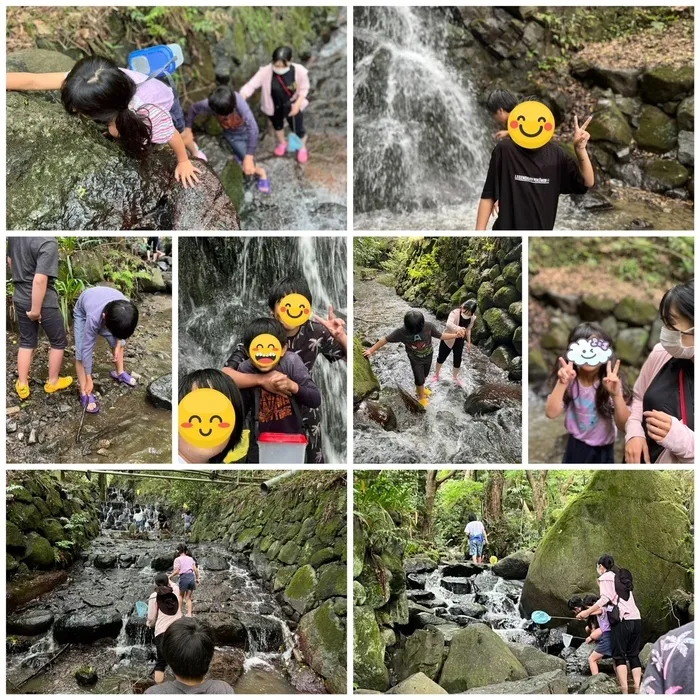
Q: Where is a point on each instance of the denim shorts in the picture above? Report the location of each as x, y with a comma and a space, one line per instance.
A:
238, 140
186, 582
476, 548
605, 645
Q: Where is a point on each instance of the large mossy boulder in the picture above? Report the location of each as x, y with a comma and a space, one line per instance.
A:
501, 325
631, 344
514, 566
364, 381
656, 132
39, 553
551, 683
369, 670
685, 115
667, 83
422, 652
62, 173
664, 175
610, 125
417, 684
636, 312
479, 657
614, 515
301, 590
322, 642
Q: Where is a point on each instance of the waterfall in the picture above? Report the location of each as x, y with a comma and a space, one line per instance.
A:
224, 283
422, 142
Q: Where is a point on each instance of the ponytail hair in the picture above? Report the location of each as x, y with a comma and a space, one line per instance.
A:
98, 89
608, 563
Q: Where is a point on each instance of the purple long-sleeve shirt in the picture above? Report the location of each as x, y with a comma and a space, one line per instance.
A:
90, 306
241, 120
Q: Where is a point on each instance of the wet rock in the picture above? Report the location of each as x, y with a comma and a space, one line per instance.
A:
600, 684
30, 623
664, 175
478, 657
104, 189
552, 683
264, 633
666, 83
411, 402
416, 581
686, 148
610, 126
382, 413
39, 553
163, 563
422, 652
515, 369
86, 676
228, 630
514, 566
227, 665
502, 357
579, 660
87, 627
160, 392
535, 661
105, 560
369, 670
364, 381
418, 564
492, 397
685, 115
656, 132
214, 563
501, 325
461, 568
473, 610
455, 584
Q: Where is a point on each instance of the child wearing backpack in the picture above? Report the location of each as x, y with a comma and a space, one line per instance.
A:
163, 609
138, 111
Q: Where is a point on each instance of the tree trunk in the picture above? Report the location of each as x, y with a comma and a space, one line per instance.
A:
469, 474
432, 484
494, 495
538, 483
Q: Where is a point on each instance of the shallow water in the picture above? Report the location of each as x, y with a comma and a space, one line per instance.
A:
445, 433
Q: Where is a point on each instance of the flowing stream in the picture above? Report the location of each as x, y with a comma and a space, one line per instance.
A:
445, 433
102, 590
224, 283
422, 142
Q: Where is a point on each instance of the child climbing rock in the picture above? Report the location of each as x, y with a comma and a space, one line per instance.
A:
240, 129
164, 608
34, 265
138, 111
102, 311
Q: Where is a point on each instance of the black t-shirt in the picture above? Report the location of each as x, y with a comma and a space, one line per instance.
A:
527, 183
663, 394
280, 96
419, 346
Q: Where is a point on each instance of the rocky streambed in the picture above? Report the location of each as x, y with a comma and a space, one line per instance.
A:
132, 425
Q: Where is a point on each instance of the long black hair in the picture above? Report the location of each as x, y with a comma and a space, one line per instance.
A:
98, 89
608, 563
603, 404
217, 380
680, 298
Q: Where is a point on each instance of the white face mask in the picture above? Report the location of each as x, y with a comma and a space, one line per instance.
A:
672, 343
280, 71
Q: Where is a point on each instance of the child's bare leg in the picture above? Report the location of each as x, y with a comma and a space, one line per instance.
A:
637, 678
455, 372
438, 367
82, 377
593, 662
260, 172
279, 135
24, 362
55, 362
621, 673
420, 390
188, 140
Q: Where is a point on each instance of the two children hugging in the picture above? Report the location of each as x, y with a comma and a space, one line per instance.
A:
594, 396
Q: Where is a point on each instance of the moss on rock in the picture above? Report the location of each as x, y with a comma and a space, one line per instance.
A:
368, 659
301, 590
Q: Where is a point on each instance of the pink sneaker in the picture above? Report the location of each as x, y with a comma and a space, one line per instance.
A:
201, 155
459, 383
303, 156
281, 149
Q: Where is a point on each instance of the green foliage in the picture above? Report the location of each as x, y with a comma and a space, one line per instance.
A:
367, 252
64, 544
69, 288
75, 522
455, 500
392, 490
11, 490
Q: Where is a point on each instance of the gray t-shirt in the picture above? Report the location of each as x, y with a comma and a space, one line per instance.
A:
419, 347
31, 256
177, 688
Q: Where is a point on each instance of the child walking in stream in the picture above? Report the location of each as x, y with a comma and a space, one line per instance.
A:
138, 110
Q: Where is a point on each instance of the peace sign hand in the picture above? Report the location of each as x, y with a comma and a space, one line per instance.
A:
611, 380
581, 136
566, 373
335, 326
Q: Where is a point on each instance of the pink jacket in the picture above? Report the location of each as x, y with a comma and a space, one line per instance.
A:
679, 444
263, 80
608, 596
452, 325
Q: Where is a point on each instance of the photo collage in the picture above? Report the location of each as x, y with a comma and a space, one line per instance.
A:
374, 242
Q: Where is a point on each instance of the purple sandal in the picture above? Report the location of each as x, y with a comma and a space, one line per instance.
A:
86, 400
124, 378
264, 186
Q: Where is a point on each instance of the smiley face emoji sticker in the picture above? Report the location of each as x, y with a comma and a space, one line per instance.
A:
531, 124
265, 351
294, 310
205, 418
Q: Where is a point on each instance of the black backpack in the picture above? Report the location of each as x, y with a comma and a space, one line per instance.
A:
624, 585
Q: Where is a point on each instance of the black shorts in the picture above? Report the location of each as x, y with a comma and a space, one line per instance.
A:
51, 322
161, 663
153, 244
296, 123
444, 352
627, 642
176, 113
421, 368
578, 452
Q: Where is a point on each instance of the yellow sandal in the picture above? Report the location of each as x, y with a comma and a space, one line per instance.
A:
62, 383
22, 390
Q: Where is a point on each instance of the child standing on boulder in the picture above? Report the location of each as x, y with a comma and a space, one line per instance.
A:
593, 395
139, 111
34, 265
476, 534
416, 335
102, 311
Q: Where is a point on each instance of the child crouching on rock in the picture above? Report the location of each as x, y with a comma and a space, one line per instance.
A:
240, 129
139, 111
102, 311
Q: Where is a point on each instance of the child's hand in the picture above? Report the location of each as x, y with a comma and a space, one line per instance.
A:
276, 383
581, 136
368, 352
566, 373
611, 381
185, 173
335, 326
500, 135
248, 165
588, 640
635, 448
658, 424
296, 108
